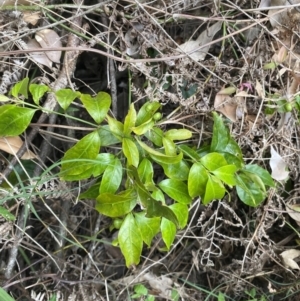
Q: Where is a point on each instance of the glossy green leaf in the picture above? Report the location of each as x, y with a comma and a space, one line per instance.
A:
147, 111
6, 214
226, 174
197, 180
148, 227
155, 136
65, 97
176, 190
153, 207
262, 173
213, 161
115, 205
14, 120
158, 195
143, 128
106, 136
130, 120
91, 193
97, 106
178, 171
131, 152
37, 92
20, 88
182, 213
131, 241
102, 161
168, 232
169, 146
116, 127
248, 191
85, 149
4, 296
215, 190
160, 157
178, 134
223, 143
189, 152
112, 177
145, 171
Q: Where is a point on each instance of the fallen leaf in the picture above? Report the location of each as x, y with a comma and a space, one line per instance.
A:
204, 38
294, 212
11, 145
31, 17
288, 258
225, 104
278, 166
48, 38
38, 57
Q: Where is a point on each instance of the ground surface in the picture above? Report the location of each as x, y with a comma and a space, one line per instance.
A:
228, 250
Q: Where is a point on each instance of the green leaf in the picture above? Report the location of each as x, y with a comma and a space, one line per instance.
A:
116, 127
86, 149
115, 205
20, 88
160, 157
102, 161
97, 106
91, 193
178, 171
148, 227
147, 111
188, 151
144, 127
112, 177
213, 161
169, 146
145, 171
262, 173
4, 296
107, 138
155, 136
131, 152
221, 297
130, 120
197, 180
168, 231
131, 241
180, 134
37, 92
14, 120
215, 190
223, 143
182, 213
153, 208
65, 97
226, 174
7, 215
248, 191
176, 190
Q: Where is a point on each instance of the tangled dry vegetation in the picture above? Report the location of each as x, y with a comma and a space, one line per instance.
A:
240, 58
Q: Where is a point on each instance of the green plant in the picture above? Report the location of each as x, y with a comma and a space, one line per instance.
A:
140, 291
126, 188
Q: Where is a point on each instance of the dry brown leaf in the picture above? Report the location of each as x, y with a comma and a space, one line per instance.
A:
31, 17
225, 105
39, 57
259, 89
278, 166
294, 212
204, 38
48, 38
288, 258
11, 145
